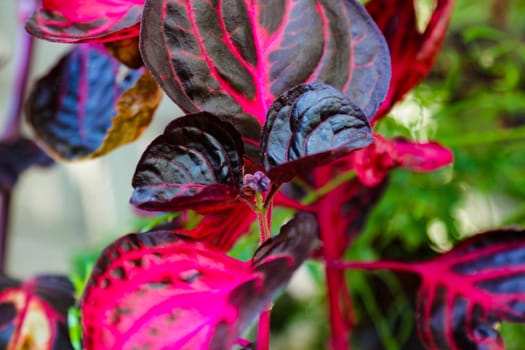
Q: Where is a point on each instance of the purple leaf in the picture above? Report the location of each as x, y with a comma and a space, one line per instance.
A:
310, 125
159, 290
89, 104
470, 289
86, 21
196, 161
33, 313
15, 157
236, 57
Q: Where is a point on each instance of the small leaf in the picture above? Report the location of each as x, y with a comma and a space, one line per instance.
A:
89, 104
76, 21
126, 51
412, 53
310, 125
15, 157
235, 57
197, 161
467, 291
33, 313
158, 290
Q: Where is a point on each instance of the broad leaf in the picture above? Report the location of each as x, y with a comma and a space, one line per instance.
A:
236, 57
89, 104
15, 157
196, 161
310, 125
82, 21
160, 290
33, 313
467, 291
412, 52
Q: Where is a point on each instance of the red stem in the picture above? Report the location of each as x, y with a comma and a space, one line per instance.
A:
379, 265
263, 330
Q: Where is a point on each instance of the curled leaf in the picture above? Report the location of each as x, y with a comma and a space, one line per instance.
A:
159, 290
466, 292
235, 57
310, 125
197, 161
33, 313
89, 104
75, 21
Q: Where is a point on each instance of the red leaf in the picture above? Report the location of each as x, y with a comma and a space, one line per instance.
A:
161, 291
466, 291
236, 57
412, 53
373, 163
76, 21
33, 313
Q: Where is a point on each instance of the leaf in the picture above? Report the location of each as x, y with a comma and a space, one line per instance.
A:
412, 52
77, 21
234, 57
126, 51
33, 313
16, 156
310, 125
89, 104
467, 291
159, 290
197, 161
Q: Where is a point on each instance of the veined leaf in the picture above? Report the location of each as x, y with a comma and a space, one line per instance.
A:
235, 57
412, 52
467, 291
310, 125
76, 21
196, 161
89, 104
160, 290
33, 313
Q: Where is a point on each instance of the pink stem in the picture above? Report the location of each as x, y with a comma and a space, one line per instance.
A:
263, 330
379, 265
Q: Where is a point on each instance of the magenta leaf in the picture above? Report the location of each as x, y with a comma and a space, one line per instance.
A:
236, 57
33, 313
310, 125
196, 161
160, 290
16, 156
72, 107
86, 21
412, 52
470, 289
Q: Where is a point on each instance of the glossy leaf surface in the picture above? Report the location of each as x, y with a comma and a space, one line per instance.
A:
310, 125
468, 290
33, 313
82, 21
160, 290
15, 157
89, 104
412, 52
196, 161
236, 57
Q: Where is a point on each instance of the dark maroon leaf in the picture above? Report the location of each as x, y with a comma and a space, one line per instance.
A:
196, 161
72, 107
82, 21
33, 313
15, 157
234, 57
412, 52
160, 290
467, 291
310, 125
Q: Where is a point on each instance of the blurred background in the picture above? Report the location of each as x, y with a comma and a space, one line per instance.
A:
473, 102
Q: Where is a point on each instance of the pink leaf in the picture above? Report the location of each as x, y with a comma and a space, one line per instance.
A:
163, 291
468, 290
74, 21
412, 52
